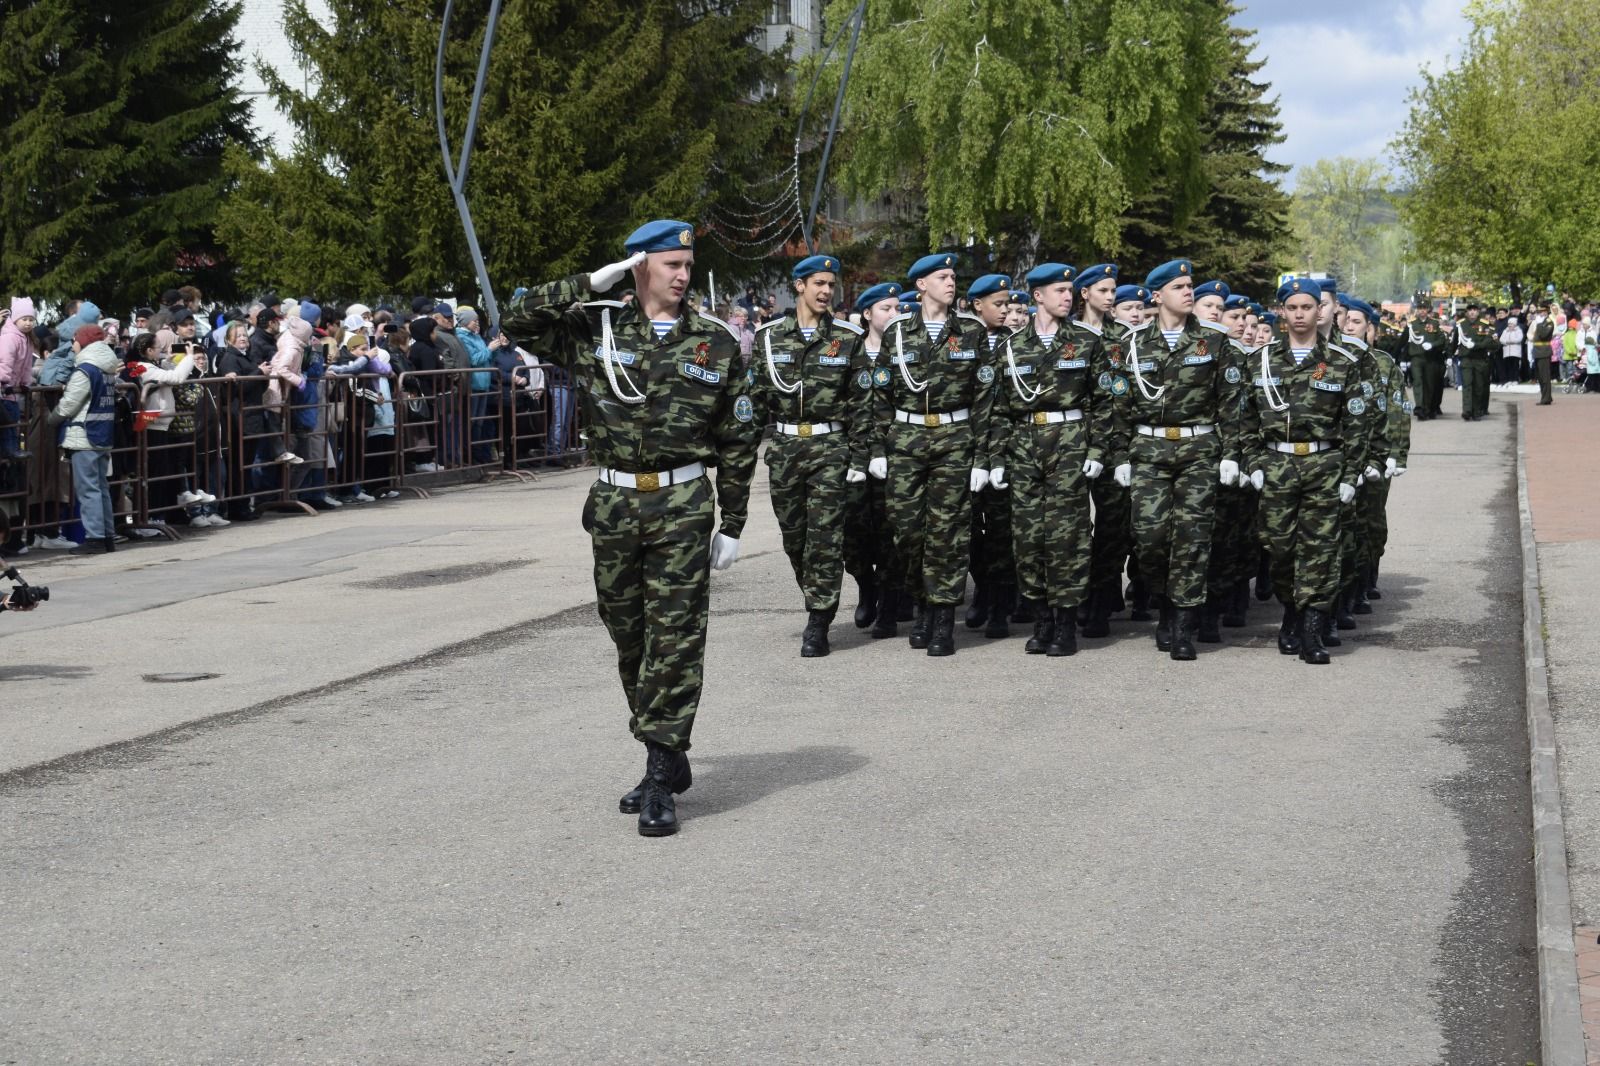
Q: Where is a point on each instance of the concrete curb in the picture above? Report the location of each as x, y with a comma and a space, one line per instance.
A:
1560, 1016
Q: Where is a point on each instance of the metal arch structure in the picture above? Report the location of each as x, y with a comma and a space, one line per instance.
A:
853, 24
457, 173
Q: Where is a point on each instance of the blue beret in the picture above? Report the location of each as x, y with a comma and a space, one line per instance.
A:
1047, 274
1020, 297
1099, 272
1343, 299
816, 264
1362, 306
987, 285
1237, 303
1328, 284
1270, 318
1308, 286
930, 263
1131, 294
1167, 273
1212, 288
662, 235
1255, 309
887, 290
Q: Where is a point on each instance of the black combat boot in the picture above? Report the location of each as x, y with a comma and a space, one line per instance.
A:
682, 778
1330, 631
1139, 594
920, 626
1023, 612
1264, 577
888, 608
1098, 623
1043, 628
1236, 605
942, 641
867, 605
1164, 627
1211, 623
1311, 629
814, 641
658, 812
1065, 639
1358, 594
1343, 600
1289, 631
978, 610
1188, 621
999, 611
906, 608
1372, 583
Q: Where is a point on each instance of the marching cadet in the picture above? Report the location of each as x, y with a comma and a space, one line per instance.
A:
1229, 527
1018, 311
1043, 436
1428, 348
1241, 550
1130, 306
1361, 320
1185, 414
805, 371
1475, 345
665, 396
1098, 336
990, 555
1303, 398
931, 414
869, 554
1368, 441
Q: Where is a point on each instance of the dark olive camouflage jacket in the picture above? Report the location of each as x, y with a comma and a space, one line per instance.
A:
1063, 375
1189, 385
1321, 400
829, 375
934, 377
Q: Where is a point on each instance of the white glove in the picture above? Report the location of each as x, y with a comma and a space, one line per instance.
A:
854, 476
1389, 467
878, 468
997, 478
978, 479
1398, 471
602, 280
1123, 474
1228, 472
1092, 469
724, 550
1347, 494
1258, 479
1361, 479
1372, 473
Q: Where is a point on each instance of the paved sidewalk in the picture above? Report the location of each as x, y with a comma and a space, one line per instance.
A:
387, 833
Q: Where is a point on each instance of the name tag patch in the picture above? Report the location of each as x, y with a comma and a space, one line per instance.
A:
963, 355
782, 357
1260, 382
1147, 367
1327, 386
1019, 370
700, 373
1071, 364
1196, 360
833, 360
621, 358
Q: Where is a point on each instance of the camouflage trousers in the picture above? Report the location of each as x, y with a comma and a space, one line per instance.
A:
1174, 507
989, 554
1050, 512
1372, 510
1233, 540
1112, 542
1301, 519
652, 570
809, 494
930, 507
1353, 536
868, 539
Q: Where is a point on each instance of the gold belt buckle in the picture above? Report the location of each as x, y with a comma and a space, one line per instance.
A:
930, 420
1041, 418
647, 482
1174, 433
1302, 448
804, 429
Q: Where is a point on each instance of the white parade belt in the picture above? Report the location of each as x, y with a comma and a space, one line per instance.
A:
651, 482
1174, 432
1051, 418
809, 429
1304, 447
915, 419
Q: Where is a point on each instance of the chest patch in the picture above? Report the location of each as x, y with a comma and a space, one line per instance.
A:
1327, 386
1147, 368
1232, 376
1260, 382
880, 378
743, 409
1071, 364
833, 360
622, 358
700, 373
782, 357
985, 373
1197, 360
864, 379
962, 355
1019, 371
1356, 406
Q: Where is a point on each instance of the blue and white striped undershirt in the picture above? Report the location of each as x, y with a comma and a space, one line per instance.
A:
934, 329
1047, 338
1300, 355
663, 328
808, 332
1173, 336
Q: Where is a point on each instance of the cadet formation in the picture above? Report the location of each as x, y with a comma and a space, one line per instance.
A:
1076, 445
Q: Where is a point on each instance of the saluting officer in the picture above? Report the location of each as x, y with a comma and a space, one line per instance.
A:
1184, 408
665, 396
869, 554
805, 368
932, 412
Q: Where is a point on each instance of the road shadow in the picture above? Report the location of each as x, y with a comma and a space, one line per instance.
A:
724, 783
21, 672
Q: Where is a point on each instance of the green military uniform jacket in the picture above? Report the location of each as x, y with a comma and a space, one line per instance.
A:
1392, 404
1193, 384
929, 377
828, 375
1374, 437
1033, 378
697, 405
1476, 340
1426, 339
1318, 400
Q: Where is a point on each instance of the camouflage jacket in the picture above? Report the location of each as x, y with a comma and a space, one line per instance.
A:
1476, 340
1426, 339
1374, 439
1320, 399
697, 406
1187, 385
1032, 377
824, 374
1391, 401
932, 377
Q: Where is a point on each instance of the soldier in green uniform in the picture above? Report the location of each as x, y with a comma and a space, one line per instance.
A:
665, 397
990, 557
1046, 435
1428, 348
1370, 444
1243, 550
805, 372
869, 554
1476, 344
1183, 405
931, 412
1229, 524
1302, 392
1544, 331
1389, 400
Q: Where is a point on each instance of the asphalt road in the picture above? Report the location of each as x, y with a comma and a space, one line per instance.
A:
387, 832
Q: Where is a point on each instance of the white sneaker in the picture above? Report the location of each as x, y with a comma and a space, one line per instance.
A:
205, 497
427, 468
145, 534
332, 501
189, 499
392, 494
290, 457
216, 521
59, 544
362, 497
22, 549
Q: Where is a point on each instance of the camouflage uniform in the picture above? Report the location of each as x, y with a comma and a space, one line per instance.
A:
1233, 541
1301, 515
1428, 349
1048, 418
1373, 502
869, 551
1367, 438
821, 431
651, 544
1476, 345
1111, 545
1187, 430
931, 451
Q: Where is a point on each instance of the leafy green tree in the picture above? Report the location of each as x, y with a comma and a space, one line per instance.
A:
1333, 208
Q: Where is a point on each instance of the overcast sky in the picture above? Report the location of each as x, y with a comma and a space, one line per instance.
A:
1342, 71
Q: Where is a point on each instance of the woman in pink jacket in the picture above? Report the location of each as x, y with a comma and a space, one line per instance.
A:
285, 375
16, 371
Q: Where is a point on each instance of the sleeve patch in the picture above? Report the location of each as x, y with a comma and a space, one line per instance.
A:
1232, 375
986, 374
1356, 406
744, 410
